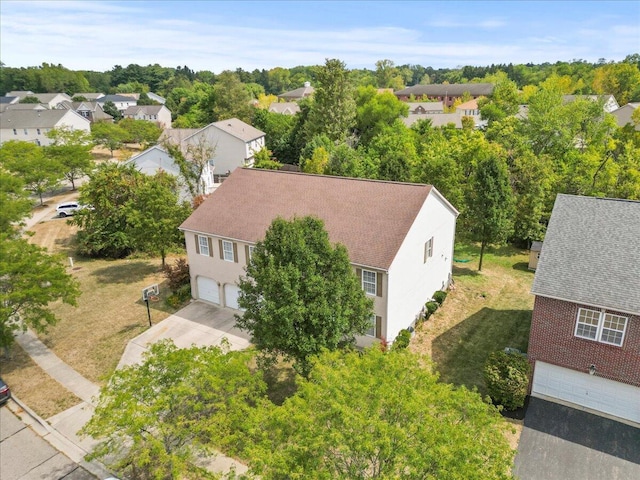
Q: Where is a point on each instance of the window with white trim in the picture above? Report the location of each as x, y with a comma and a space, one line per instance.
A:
371, 332
601, 326
369, 282
428, 249
252, 249
203, 243
227, 251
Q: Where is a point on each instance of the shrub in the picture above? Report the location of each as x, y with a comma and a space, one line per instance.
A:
506, 376
430, 309
180, 296
439, 296
177, 274
402, 340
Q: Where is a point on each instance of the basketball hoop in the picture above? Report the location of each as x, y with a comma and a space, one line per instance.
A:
153, 298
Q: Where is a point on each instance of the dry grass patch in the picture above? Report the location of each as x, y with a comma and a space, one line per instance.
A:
92, 336
34, 386
484, 312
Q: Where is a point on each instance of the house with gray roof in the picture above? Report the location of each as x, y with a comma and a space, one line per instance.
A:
623, 115
302, 92
152, 113
33, 125
122, 102
284, 108
609, 102
50, 99
399, 237
90, 110
445, 93
585, 330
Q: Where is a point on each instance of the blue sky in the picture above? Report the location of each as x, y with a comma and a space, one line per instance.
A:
219, 35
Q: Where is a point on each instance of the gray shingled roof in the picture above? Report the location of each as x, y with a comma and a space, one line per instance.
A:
371, 218
475, 89
31, 118
145, 109
238, 129
591, 253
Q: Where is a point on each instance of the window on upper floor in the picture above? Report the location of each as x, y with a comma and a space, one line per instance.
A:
203, 246
15, 132
428, 249
26, 131
228, 252
369, 282
601, 326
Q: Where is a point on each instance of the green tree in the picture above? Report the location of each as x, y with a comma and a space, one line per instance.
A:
156, 419
143, 132
373, 415
104, 229
30, 279
300, 293
27, 161
393, 151
503, 103
72, 150
29, 99
385, 73
229, 99
333, 110
193, 162
262, 159
375, 111
155, 215
110, 108
490, 203
622, 80
109, 135
14, 200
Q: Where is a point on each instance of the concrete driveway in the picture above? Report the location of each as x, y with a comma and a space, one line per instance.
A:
559, 442
199, 324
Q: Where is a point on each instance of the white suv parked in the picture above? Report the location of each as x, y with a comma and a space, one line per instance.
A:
68, 208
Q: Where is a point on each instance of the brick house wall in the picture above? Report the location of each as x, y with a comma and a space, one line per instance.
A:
552, 340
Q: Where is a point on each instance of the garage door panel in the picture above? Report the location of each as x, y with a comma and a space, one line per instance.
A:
597, 393
231, 294
208, 290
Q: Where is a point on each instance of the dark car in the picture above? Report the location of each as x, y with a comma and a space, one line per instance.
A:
5, 393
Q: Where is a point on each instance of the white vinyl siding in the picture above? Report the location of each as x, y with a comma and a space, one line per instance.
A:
601, 326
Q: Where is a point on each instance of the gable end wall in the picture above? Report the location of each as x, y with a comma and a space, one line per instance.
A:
552, 340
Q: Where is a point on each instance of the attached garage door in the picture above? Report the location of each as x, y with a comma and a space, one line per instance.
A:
208, 290
231, 293
591, 391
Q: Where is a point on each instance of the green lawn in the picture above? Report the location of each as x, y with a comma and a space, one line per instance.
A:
485, 311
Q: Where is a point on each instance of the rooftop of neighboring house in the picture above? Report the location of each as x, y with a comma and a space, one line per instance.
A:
284, 107
591, 253
7, 99
371, 218
176, 135
452, 89
470, 105
145, 109
116, 98
31, 118
23, 106
42, 97
428, 106
624, 113
238, 129
301, 92
89, 95
437, 119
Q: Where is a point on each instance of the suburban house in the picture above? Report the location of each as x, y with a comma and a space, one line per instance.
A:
399, 237
22, 106
152, 113
418, 108
585, 332
302, 92
121, 102
91, 110
623, 115
32, 125
235, 143
90, 95
609, 102
9, 100
285, 108
447, 93
50, 99
156, 158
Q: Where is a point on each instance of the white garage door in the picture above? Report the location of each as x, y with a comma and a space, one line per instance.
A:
231, 294
591, 391
208, 290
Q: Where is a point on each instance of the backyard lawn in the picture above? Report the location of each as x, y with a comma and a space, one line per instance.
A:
485, 311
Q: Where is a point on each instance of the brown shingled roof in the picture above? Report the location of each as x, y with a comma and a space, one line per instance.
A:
371, 218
